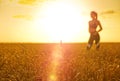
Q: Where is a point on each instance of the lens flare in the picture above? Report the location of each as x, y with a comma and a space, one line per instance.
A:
52, 77
56, 58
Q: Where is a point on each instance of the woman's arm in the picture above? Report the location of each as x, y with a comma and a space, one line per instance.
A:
100, 26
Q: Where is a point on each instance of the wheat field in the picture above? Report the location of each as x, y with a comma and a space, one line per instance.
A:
32, 62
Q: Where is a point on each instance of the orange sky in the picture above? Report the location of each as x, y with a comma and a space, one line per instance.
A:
55, 20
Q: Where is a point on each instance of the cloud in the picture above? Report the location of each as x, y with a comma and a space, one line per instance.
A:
10, 0
108, 12
26, 17
29, 2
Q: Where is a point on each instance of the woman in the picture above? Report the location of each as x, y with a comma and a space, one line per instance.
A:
94, 33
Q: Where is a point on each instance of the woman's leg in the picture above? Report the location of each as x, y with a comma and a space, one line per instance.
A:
97, 41
90, 41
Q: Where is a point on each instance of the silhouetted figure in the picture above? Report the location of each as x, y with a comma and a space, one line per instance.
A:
94, 34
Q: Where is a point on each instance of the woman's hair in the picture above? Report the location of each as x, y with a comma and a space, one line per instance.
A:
94, 14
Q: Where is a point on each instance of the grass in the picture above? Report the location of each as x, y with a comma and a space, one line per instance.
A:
29, 62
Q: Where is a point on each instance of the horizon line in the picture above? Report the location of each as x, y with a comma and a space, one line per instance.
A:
49, 42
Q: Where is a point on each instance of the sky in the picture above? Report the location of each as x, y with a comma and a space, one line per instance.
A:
56, 20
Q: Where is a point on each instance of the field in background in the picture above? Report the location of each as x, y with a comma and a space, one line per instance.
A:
29, 62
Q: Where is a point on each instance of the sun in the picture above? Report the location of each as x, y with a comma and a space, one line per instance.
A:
61, 21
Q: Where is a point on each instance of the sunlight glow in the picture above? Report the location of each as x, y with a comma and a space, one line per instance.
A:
61, 21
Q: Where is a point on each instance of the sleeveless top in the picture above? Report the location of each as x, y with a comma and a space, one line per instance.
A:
92, 26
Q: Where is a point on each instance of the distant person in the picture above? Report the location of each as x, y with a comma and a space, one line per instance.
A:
94, 33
